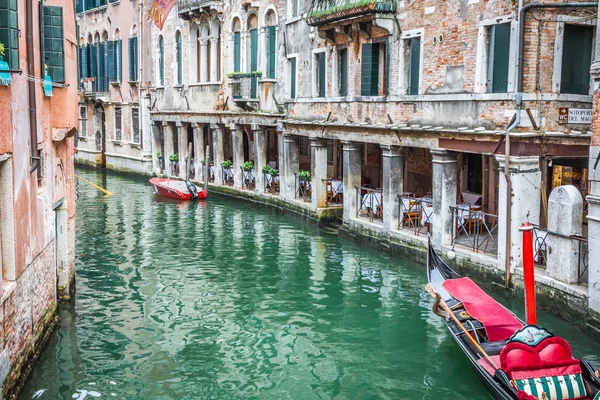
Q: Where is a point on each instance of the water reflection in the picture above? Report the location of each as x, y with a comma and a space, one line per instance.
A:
218, 300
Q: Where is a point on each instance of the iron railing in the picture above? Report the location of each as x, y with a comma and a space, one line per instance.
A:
270, 184
303, 188
226, 176
174, 166
370, 203
583, 262
248, 179
475, 230
415, 214
326, 11
185, 6
98, 84
334, 189
211, 172
192, 170
244, 87
540, 245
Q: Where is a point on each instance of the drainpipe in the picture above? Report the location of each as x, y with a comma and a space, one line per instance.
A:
31, 86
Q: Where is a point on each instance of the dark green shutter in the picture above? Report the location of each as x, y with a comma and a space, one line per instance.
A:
293, 78
236, 51
294, 8
179, 60
414, 65
370, 69
88, 56
133, 59
79, 6
387, 67
9, 32
53, 42
498, 58
102, 76
89, 4
94, 63
119, 58
111, 60
161, 61
577, 59
272, 51
253, 62
344, 72
321, 73
83, 58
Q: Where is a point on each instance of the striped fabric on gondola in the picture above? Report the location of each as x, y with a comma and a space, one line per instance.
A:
564, 387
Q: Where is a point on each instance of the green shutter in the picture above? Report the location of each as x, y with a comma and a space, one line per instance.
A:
321, 73
94, 63
387, 67
498, 58
272, 51
53, 42
253, 62
102, 73
89, 4
179, 59
119, 63
79, 6
111, 60
294, 8
161, 61
133, 59
414, 65
344, 72
370, 69
236, 51
293, 78
577, 59
9, 32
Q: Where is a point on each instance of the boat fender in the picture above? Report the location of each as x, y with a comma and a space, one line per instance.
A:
192, 189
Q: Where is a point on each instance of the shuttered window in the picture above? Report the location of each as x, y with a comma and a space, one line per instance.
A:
83, 62
293, 78
135, 125
161, 61
294, 8
320, 74
236, 51
9, 32
79, 6
133, 58
111, 60
119, 58
118, 124
272, 51
179, 52
577, 59
414, 65
53, 42
498, 58
93, 61
102, 68
343, 66
370, 69
253, 62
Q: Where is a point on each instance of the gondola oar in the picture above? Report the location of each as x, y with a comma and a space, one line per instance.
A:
431, 290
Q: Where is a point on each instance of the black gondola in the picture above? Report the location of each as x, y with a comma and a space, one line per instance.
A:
513, 360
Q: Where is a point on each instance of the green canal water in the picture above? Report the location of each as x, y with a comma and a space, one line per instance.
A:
221, 300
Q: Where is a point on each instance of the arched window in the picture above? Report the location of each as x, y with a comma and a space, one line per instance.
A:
178, 52
204, 59
215, 66
271, 44
253, 56
132, 48
161, 61
237, 45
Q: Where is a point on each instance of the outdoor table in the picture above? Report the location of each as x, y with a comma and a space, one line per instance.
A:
406, 204
337, 186
372, 200
471, 198
427, 213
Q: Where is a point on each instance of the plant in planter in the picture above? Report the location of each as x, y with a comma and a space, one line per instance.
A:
236, 75
226, 164
304, 176
257, 74
174, 157
248, 166
159, 155
203, 161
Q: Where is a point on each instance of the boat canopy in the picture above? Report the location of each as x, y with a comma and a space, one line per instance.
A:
500, 324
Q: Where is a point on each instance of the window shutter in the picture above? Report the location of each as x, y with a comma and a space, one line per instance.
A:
387, 67
344, 72
236, 51
179, 60
365, 80
53, 42
161, 61
577, 59
84, 60
253, 62
414, 67
321, 73
498, 58
272, 51
119, 60
102, 75
88, 62
9, 32
293, 78
133, 59
111, 60
94, 63
79, 6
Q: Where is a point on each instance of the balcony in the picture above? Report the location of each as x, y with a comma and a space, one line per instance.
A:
360, 14
244, 87
95, 87
189, 8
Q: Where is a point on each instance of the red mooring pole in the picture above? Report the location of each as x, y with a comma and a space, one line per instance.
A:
528, 272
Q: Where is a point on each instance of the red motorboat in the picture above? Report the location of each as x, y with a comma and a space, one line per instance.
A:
176, 189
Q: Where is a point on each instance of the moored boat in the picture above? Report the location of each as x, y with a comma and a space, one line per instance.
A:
514, 360
176, 189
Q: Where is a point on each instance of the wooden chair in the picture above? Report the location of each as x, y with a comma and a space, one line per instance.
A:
412, 215
474, 219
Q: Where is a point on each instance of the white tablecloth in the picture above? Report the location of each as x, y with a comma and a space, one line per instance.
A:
250, 175
427, 215
269, 179
228, 173
470, 197
406, 204
371, 200
211, 170
337, 187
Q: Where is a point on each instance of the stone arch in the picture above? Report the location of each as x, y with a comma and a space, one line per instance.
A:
252, 22
117, 34
236, 24
270, 16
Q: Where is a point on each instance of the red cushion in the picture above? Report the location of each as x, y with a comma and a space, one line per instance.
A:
550, 353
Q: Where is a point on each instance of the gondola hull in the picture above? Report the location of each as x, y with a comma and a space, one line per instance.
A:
175, 189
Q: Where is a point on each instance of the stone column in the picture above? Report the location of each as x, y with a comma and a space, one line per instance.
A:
169, 150
393, 184
218, 155
203, 57
318, 156
565, 218
183, 149
291, 163
351, 165
260, 155
237, 143
199, 148
214, 57
444, 196
156, 127
526, 178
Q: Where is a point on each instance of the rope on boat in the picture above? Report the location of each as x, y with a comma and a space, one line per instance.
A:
106, 192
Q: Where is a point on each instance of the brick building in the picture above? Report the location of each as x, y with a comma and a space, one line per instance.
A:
113, 85
37, 204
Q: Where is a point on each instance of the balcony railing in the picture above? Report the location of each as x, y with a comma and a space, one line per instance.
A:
327, 11
415, 213
186, 6
370, 203
334, 189
248, 179
475, 229
271, 183
91, 86
303, 188
244, 87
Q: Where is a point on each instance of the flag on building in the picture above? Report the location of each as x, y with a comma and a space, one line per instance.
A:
160, 10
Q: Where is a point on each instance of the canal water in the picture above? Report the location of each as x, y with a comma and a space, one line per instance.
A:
221, 300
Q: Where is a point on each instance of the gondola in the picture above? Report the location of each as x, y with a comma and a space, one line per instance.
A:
515, 361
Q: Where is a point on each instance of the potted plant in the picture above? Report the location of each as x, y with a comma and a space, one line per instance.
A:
203, 161
257, 74
266, 169
304, 176
174, 157
248, 166
274, 172
226, 164
1, 51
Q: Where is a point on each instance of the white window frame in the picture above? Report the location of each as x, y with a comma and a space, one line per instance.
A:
403, 75
139, 124
115, 122
481, 68
314, 90
83, 132
563, 20
288, 72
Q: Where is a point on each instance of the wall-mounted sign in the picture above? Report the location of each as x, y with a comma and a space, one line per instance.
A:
568, 115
